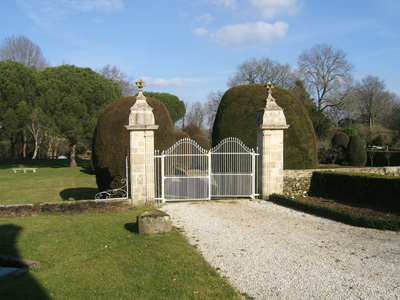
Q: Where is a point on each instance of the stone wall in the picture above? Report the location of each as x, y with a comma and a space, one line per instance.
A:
297, 182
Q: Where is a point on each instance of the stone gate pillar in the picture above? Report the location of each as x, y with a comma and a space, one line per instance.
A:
141, 165
270, 124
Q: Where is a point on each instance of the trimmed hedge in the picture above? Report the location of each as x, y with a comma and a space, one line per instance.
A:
335, 214
192, 130
180, 135
111, 139
373, 189
202, 141
236, 116
380, 158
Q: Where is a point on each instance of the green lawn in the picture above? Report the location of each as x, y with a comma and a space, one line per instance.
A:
94, 256
53, 181
100, 256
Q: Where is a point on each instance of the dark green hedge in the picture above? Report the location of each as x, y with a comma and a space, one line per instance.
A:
237, 112
380, 159
335, 214
377, 190
355, 153
111, 139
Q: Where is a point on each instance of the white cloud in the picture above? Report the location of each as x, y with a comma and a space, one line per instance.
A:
269, 9
200, 31
204, 19
250, 33
160, 82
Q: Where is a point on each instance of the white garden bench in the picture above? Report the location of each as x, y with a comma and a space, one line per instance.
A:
24, 170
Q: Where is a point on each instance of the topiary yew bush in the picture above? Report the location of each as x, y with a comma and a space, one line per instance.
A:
192, 130
202, 141
340, 139
111, 139
237, 112
356, 155
179, 135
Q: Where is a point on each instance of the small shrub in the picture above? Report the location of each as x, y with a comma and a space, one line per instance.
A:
202, 141
356, 154
340, 139
192, 130
180, 135
378, 141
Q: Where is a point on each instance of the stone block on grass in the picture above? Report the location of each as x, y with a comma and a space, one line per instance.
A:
153, 222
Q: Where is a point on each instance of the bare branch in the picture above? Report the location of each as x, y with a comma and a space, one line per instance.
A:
23, 50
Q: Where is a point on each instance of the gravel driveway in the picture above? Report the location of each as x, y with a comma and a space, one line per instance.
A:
272, 252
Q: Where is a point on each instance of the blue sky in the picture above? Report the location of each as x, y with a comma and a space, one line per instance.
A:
191, 47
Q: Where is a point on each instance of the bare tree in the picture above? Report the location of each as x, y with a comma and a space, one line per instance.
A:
327, 72
195, 115
263, 71
373, 101
23, 50
117, 75
211, 106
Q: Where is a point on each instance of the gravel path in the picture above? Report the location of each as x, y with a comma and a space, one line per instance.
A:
272, 252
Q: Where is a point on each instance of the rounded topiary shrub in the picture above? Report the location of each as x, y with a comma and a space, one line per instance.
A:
192, 130
202, 141
179, 135
237, 112
340, 139
356, 155
111, 139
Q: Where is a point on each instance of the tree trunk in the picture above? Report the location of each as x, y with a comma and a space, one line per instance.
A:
23, 144
35, 152
73, 154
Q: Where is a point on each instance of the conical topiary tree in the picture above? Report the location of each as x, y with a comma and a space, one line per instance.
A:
237, 112
356, 154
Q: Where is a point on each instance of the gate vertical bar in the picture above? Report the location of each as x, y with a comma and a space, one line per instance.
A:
209, 175
162, 178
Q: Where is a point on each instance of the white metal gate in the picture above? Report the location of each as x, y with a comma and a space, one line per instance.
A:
188, 172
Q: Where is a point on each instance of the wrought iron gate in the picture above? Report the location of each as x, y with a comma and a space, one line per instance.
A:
188, 172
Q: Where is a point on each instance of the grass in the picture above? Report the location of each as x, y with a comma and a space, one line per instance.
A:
100, 256
53, 181
336, 214
94, 256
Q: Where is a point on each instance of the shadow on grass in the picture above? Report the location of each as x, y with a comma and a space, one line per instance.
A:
23, 286
132, 227
82, 193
